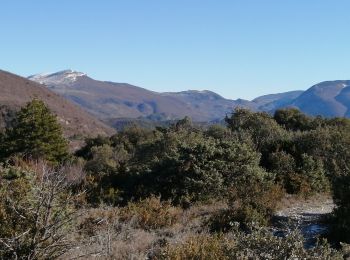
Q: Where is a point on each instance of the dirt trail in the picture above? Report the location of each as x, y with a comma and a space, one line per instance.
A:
317, 206
304, 215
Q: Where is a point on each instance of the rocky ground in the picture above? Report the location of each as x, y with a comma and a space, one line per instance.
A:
308, 216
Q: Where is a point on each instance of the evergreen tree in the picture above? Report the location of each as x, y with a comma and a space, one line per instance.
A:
35, 133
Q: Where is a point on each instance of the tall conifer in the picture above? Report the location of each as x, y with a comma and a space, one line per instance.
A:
36, 133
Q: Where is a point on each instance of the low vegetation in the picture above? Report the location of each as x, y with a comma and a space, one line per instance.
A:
150, 214
177, 192
237, 245
37, 209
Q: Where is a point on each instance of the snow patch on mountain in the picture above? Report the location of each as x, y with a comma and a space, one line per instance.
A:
57, 78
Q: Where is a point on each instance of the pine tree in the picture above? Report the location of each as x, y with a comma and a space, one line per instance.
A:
35, 134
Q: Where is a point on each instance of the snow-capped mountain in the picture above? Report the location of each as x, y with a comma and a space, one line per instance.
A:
58, 78
106, 99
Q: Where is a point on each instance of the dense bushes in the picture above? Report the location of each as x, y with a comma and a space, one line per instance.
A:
185, 164
180, 164
293, 119
154, 177
243, 163
201, 170
339, 165
261, 127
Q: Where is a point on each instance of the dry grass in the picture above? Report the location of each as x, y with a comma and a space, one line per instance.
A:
151, 213
103, 234
107, 233
203, 246
292, 201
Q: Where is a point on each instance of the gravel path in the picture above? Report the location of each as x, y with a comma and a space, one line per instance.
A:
301, 210
306, 216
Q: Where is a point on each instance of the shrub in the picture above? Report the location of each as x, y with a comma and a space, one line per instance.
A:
199, 170
293, 119
298, 184
199, 247
103, 170
303, 175
150, 213
259, 244
96, 219
263, 129
282, 164
253, 204
36, 213
218, 132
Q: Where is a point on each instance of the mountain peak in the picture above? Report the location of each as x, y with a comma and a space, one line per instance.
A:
61, 77
197, 94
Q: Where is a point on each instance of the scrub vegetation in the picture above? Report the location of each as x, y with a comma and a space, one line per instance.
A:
177, 192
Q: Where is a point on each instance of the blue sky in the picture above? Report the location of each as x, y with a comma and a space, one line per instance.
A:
237, 48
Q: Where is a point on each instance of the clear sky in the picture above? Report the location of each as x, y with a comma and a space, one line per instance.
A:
237, 48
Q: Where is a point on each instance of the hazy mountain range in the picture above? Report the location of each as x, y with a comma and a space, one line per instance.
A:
80, 101
107, 100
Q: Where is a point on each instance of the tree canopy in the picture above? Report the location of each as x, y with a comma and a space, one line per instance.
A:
35, 133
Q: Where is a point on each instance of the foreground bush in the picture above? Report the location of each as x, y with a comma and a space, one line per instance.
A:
36, 213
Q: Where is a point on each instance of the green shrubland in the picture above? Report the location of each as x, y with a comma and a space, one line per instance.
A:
192, 192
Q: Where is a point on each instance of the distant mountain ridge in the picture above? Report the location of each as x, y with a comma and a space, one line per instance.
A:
107, 100
329, 98
272, 102
115, 100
